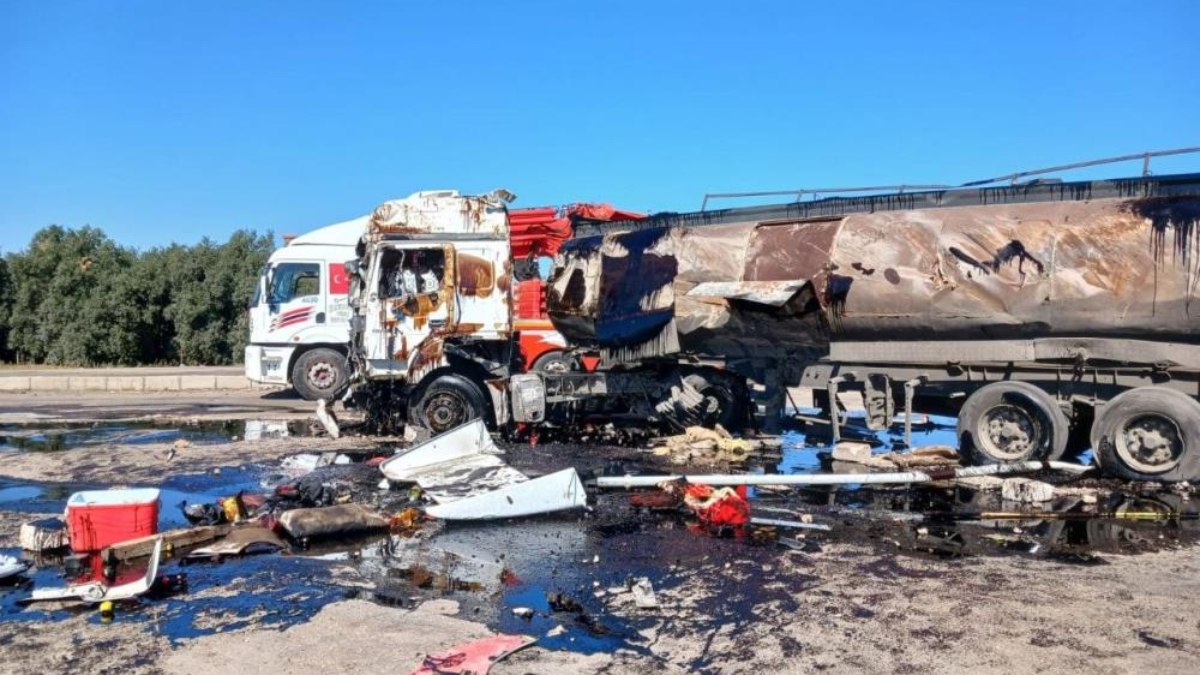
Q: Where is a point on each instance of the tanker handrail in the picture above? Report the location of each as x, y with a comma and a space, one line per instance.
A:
1144, 156
1012, 178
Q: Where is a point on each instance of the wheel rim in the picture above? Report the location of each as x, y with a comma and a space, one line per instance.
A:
446, 411
322, 375
1150, 443
1008, 432
556, 366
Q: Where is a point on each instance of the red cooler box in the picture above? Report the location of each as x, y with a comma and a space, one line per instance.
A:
100, 518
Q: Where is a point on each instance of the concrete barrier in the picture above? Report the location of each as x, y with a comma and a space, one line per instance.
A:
217, 378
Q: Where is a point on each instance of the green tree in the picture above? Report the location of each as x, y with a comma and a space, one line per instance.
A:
211, 292
74, 297
5, 309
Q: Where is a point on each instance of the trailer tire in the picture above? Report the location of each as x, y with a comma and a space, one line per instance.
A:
320, 373
726, 394
554, 362
1011, 422
1149, 434
447, 402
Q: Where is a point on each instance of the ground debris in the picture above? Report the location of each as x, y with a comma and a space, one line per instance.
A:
699, 445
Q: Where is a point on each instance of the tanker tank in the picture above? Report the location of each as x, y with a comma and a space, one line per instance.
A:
1114, 258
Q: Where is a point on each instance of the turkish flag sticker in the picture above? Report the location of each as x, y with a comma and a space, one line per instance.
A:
339, 283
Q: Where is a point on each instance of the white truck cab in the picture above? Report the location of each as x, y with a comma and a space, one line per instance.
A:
299, 315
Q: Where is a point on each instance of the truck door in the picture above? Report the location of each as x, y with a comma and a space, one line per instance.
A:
293, 298
413, 302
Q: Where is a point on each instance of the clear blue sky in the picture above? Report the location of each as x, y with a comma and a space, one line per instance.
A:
168, 121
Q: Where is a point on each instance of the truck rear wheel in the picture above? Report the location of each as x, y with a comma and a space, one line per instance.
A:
1011, 422
320, 374
448, 402
1149, 433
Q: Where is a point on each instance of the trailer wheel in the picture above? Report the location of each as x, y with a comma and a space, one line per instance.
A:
724, 400
448, 402
1011, 422
320, 374
554, 362
1149, 433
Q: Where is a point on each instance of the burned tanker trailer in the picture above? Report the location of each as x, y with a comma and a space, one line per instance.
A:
1046, 316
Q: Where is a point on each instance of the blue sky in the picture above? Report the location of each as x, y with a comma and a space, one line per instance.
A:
168, 121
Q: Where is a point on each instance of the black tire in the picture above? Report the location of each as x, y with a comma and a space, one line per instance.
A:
1011, 422
448, 402
554, 362
320, 374
726, 400
1150, 434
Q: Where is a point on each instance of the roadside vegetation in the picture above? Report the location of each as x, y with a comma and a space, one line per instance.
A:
74, 297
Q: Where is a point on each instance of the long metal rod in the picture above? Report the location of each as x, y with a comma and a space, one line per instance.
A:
1013, 177
899, 478
1144, 156
799, 193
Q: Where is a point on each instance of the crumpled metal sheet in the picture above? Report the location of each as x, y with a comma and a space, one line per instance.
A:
770, 293
460, 463
1090, 259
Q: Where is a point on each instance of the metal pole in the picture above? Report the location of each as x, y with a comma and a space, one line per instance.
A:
900, 478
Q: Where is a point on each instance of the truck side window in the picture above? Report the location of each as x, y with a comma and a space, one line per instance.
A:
295, 280
407, 273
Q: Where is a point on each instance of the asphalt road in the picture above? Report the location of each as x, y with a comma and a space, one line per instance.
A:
111, 406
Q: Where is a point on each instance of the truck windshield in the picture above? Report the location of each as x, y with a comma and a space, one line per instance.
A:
294, 280
258, 287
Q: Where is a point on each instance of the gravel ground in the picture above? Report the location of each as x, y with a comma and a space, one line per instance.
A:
847, 606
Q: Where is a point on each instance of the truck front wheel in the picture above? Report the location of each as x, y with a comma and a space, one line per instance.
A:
320, 374
448, 402
1149, 433
1011, 422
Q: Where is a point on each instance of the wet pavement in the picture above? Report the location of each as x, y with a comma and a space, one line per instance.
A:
573, 570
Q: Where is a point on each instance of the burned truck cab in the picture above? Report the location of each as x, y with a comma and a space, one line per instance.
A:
431, 304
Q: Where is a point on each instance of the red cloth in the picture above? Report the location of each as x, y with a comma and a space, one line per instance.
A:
717, 506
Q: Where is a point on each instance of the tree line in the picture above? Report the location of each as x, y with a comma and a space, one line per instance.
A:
74, 297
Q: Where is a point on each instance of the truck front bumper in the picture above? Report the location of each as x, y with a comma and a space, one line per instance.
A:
268, 365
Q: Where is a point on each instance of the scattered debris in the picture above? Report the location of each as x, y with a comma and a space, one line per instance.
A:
699, 445
981, 482
97, 591
558, 491
144, 546
473, 657
556, 631
523, 612
327, 419
715, 507
239, 542
329, 521
560, 602
795, 524
462, 471
11, 567
308, 462
1026, 490
47, 534
852, 451
643, 594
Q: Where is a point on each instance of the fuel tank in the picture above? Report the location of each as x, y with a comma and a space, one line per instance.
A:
1116, 258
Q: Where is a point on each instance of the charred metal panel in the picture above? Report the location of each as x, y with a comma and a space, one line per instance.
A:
615, 290
1114, 259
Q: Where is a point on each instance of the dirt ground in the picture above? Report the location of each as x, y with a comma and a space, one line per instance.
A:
841, 606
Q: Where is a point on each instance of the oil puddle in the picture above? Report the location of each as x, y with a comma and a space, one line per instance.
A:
66, 436
269, 591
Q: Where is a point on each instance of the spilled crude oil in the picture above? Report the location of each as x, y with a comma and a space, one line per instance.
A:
66, 436
574, 570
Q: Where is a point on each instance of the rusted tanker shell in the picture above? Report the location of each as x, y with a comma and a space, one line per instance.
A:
1108, 267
